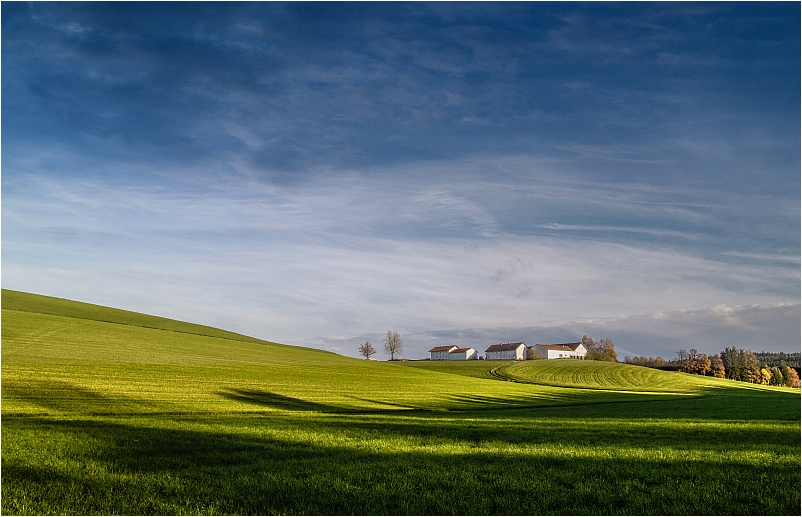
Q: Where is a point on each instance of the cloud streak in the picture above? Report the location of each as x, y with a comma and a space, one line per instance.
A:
293, 170
333, 257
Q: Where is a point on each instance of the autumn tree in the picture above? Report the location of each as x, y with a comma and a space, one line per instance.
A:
793, 379
366, 349
701, 365
694, 362
602, 350
777, 378
717, 367
393, 344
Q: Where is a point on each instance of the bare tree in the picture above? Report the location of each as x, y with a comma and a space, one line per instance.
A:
366, 349
392, 344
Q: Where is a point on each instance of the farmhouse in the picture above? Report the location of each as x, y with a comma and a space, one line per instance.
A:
563, 350
440, 353
462, 354
516, 351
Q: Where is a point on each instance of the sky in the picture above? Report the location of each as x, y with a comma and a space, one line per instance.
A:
317, 174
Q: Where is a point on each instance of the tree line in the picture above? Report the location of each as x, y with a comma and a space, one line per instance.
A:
734, 363
744, 365
776, 358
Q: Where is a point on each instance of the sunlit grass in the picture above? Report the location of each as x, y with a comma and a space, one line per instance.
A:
107, 417
479, 369
603, 375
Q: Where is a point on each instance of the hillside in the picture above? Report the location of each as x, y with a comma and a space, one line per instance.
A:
52, 333
45, 330
39, 304
113, 412
60, 355
602, 375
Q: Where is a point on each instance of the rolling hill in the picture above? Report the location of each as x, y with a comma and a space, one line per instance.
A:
109, 411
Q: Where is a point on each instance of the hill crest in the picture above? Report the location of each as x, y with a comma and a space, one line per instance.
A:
42, 304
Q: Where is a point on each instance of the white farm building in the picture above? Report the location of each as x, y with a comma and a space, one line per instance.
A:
509, 351
563, 350
462, 354
440, 353
453, 353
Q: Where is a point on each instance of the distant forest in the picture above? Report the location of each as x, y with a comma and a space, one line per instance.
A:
771, 368
776, 358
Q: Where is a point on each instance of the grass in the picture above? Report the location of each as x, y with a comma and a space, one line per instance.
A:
108, 412
597, 375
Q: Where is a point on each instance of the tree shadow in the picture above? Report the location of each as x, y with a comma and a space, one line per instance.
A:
277, 401
66, 397
272, 466
280, 402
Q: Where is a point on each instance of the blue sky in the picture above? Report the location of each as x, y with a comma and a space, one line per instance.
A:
469, 173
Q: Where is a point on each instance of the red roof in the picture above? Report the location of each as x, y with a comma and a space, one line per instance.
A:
503, 347
446, 348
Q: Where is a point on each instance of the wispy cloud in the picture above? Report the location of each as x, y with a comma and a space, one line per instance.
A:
790, 259
599, 228
290, 171
333, 257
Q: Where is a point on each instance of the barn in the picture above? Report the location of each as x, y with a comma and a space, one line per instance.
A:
440, 353
509, 351
462, 354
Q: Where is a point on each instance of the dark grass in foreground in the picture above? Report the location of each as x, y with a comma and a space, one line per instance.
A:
619, 459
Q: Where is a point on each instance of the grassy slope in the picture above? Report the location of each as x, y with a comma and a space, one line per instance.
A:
31, 303
609, 376
49, 358
106, 411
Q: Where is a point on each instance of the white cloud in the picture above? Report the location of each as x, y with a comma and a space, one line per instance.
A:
763, 256
365, 251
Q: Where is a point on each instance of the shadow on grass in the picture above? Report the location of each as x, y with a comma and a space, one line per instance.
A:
66, 397
332, 465
285, 403
277, 401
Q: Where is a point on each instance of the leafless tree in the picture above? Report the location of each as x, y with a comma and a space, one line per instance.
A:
393, 344
366, 349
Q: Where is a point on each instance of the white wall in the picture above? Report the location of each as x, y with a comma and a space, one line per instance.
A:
464, 356
518, 353
557, 354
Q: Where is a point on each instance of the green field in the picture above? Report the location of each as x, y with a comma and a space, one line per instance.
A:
113, 412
